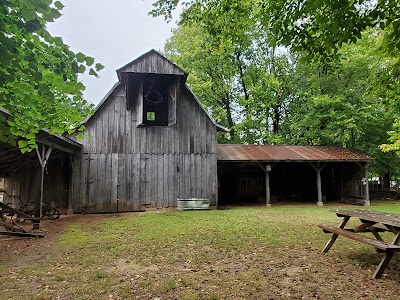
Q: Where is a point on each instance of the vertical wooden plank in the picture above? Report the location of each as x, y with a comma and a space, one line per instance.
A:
171, 180
172, 97
135, 188
110, 126
165, 179
127, 136
128, 179
203, 174
100, 190
93, 183
143, 181
147, 180
84, 185
114, 183
160, 180
121, 129
140, 104
193, 172
153, 176
76, 178
107, 207
214, 179
188, 177
115, 134
121, 190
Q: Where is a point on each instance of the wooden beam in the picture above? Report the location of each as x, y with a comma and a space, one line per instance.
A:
54, 145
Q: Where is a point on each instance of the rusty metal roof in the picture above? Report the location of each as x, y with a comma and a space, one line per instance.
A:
229, 152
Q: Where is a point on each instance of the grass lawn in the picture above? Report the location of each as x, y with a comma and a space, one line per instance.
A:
238, 253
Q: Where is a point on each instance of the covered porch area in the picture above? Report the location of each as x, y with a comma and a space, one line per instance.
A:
40, 178
254, 175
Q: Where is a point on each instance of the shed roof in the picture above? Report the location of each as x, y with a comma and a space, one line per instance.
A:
242, 153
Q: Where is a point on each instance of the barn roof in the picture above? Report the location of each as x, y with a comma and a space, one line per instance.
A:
11, 157
271, 153
151, 62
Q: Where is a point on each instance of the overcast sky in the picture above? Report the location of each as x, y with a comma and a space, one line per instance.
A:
113, 32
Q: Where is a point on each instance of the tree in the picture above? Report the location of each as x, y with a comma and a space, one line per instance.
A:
235, 73
39, 83
317, 28
350, 105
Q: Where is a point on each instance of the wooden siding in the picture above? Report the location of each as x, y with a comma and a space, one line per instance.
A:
151, 62
126, 167
24, 185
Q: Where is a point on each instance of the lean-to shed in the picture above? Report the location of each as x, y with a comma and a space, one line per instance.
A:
271, 173
148, 143
41, 177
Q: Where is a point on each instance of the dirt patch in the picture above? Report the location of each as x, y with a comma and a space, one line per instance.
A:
29, 247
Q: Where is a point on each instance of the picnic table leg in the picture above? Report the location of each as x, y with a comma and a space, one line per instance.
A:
382, 265
386, 259
334, 236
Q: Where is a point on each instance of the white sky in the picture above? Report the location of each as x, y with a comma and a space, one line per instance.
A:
113, 32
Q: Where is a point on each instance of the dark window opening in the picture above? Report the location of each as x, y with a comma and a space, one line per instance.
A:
153, 97
155, 100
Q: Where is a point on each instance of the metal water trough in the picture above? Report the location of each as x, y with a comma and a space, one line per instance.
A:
193, 204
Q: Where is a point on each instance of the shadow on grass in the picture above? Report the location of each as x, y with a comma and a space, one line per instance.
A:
371, 259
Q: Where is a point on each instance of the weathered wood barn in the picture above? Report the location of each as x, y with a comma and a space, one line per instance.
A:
150, 142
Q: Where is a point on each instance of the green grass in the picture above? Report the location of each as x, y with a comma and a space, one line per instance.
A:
219, 254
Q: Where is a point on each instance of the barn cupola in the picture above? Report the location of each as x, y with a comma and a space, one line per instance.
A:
152, 84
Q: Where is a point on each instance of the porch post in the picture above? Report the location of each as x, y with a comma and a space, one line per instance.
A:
367, 201
319, 188
43, 158
267, 187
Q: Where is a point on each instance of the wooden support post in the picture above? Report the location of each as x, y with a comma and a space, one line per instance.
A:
267, 169
267, 187
367, 201
43, 158
319, 188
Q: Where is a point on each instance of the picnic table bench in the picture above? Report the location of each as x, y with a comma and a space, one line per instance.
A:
373, 222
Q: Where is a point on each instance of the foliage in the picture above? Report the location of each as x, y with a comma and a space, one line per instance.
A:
318, 30
345, 105
241, 79
39, 84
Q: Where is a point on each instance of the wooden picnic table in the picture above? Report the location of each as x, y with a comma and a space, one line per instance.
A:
373, 222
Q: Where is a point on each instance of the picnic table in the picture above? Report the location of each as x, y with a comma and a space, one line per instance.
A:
373, 222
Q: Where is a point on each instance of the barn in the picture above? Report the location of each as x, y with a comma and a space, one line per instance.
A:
150, 142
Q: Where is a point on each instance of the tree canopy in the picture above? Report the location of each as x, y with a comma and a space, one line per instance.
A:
316, 30
39, 83
272, 84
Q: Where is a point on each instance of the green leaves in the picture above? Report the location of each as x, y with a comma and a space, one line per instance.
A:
38, 74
